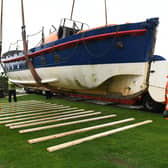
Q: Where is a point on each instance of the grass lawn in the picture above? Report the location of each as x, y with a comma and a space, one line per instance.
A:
142, 147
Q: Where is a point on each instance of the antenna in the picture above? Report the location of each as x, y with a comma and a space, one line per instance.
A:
72, 9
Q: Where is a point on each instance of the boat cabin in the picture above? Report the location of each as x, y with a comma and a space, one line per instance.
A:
69, 27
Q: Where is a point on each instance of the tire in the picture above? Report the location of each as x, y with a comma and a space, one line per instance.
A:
150, 105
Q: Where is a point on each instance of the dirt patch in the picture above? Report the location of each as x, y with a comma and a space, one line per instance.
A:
118, 161
1, 166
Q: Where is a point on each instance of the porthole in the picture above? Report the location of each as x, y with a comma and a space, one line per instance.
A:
56, 58
120, 44
42, 60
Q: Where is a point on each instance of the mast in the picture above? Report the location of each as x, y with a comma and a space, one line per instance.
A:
105, 6
72, 9
25, 49
1, 29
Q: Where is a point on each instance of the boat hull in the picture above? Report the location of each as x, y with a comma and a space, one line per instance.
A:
111, 61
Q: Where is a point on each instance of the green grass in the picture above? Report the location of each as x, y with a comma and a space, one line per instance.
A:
141, 147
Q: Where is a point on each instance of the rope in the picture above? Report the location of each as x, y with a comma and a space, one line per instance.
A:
40, 42
30, 35
16, 43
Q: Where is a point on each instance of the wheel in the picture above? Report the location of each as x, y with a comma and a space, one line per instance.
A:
150, 105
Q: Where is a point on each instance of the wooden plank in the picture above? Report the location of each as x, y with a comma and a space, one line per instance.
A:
31, 113
13, 104
30, 110
20, 102
20, 105
23, 101
32, 107
99, 135
14, 110
34, 111
26, 106
66, 123
51, 113
64, 111
52, 119
44, 117
45, 138
17, 105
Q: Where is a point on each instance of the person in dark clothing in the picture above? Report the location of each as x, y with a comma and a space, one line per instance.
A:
11, 92
48, 94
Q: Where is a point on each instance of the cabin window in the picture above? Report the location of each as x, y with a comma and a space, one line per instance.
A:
56, 58
42, 60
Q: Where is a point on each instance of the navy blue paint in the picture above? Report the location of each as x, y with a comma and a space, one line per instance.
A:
105, 51
157, 58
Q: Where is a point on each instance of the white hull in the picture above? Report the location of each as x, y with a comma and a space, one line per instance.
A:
126, 78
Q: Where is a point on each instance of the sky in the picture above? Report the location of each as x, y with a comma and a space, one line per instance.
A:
40, 13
